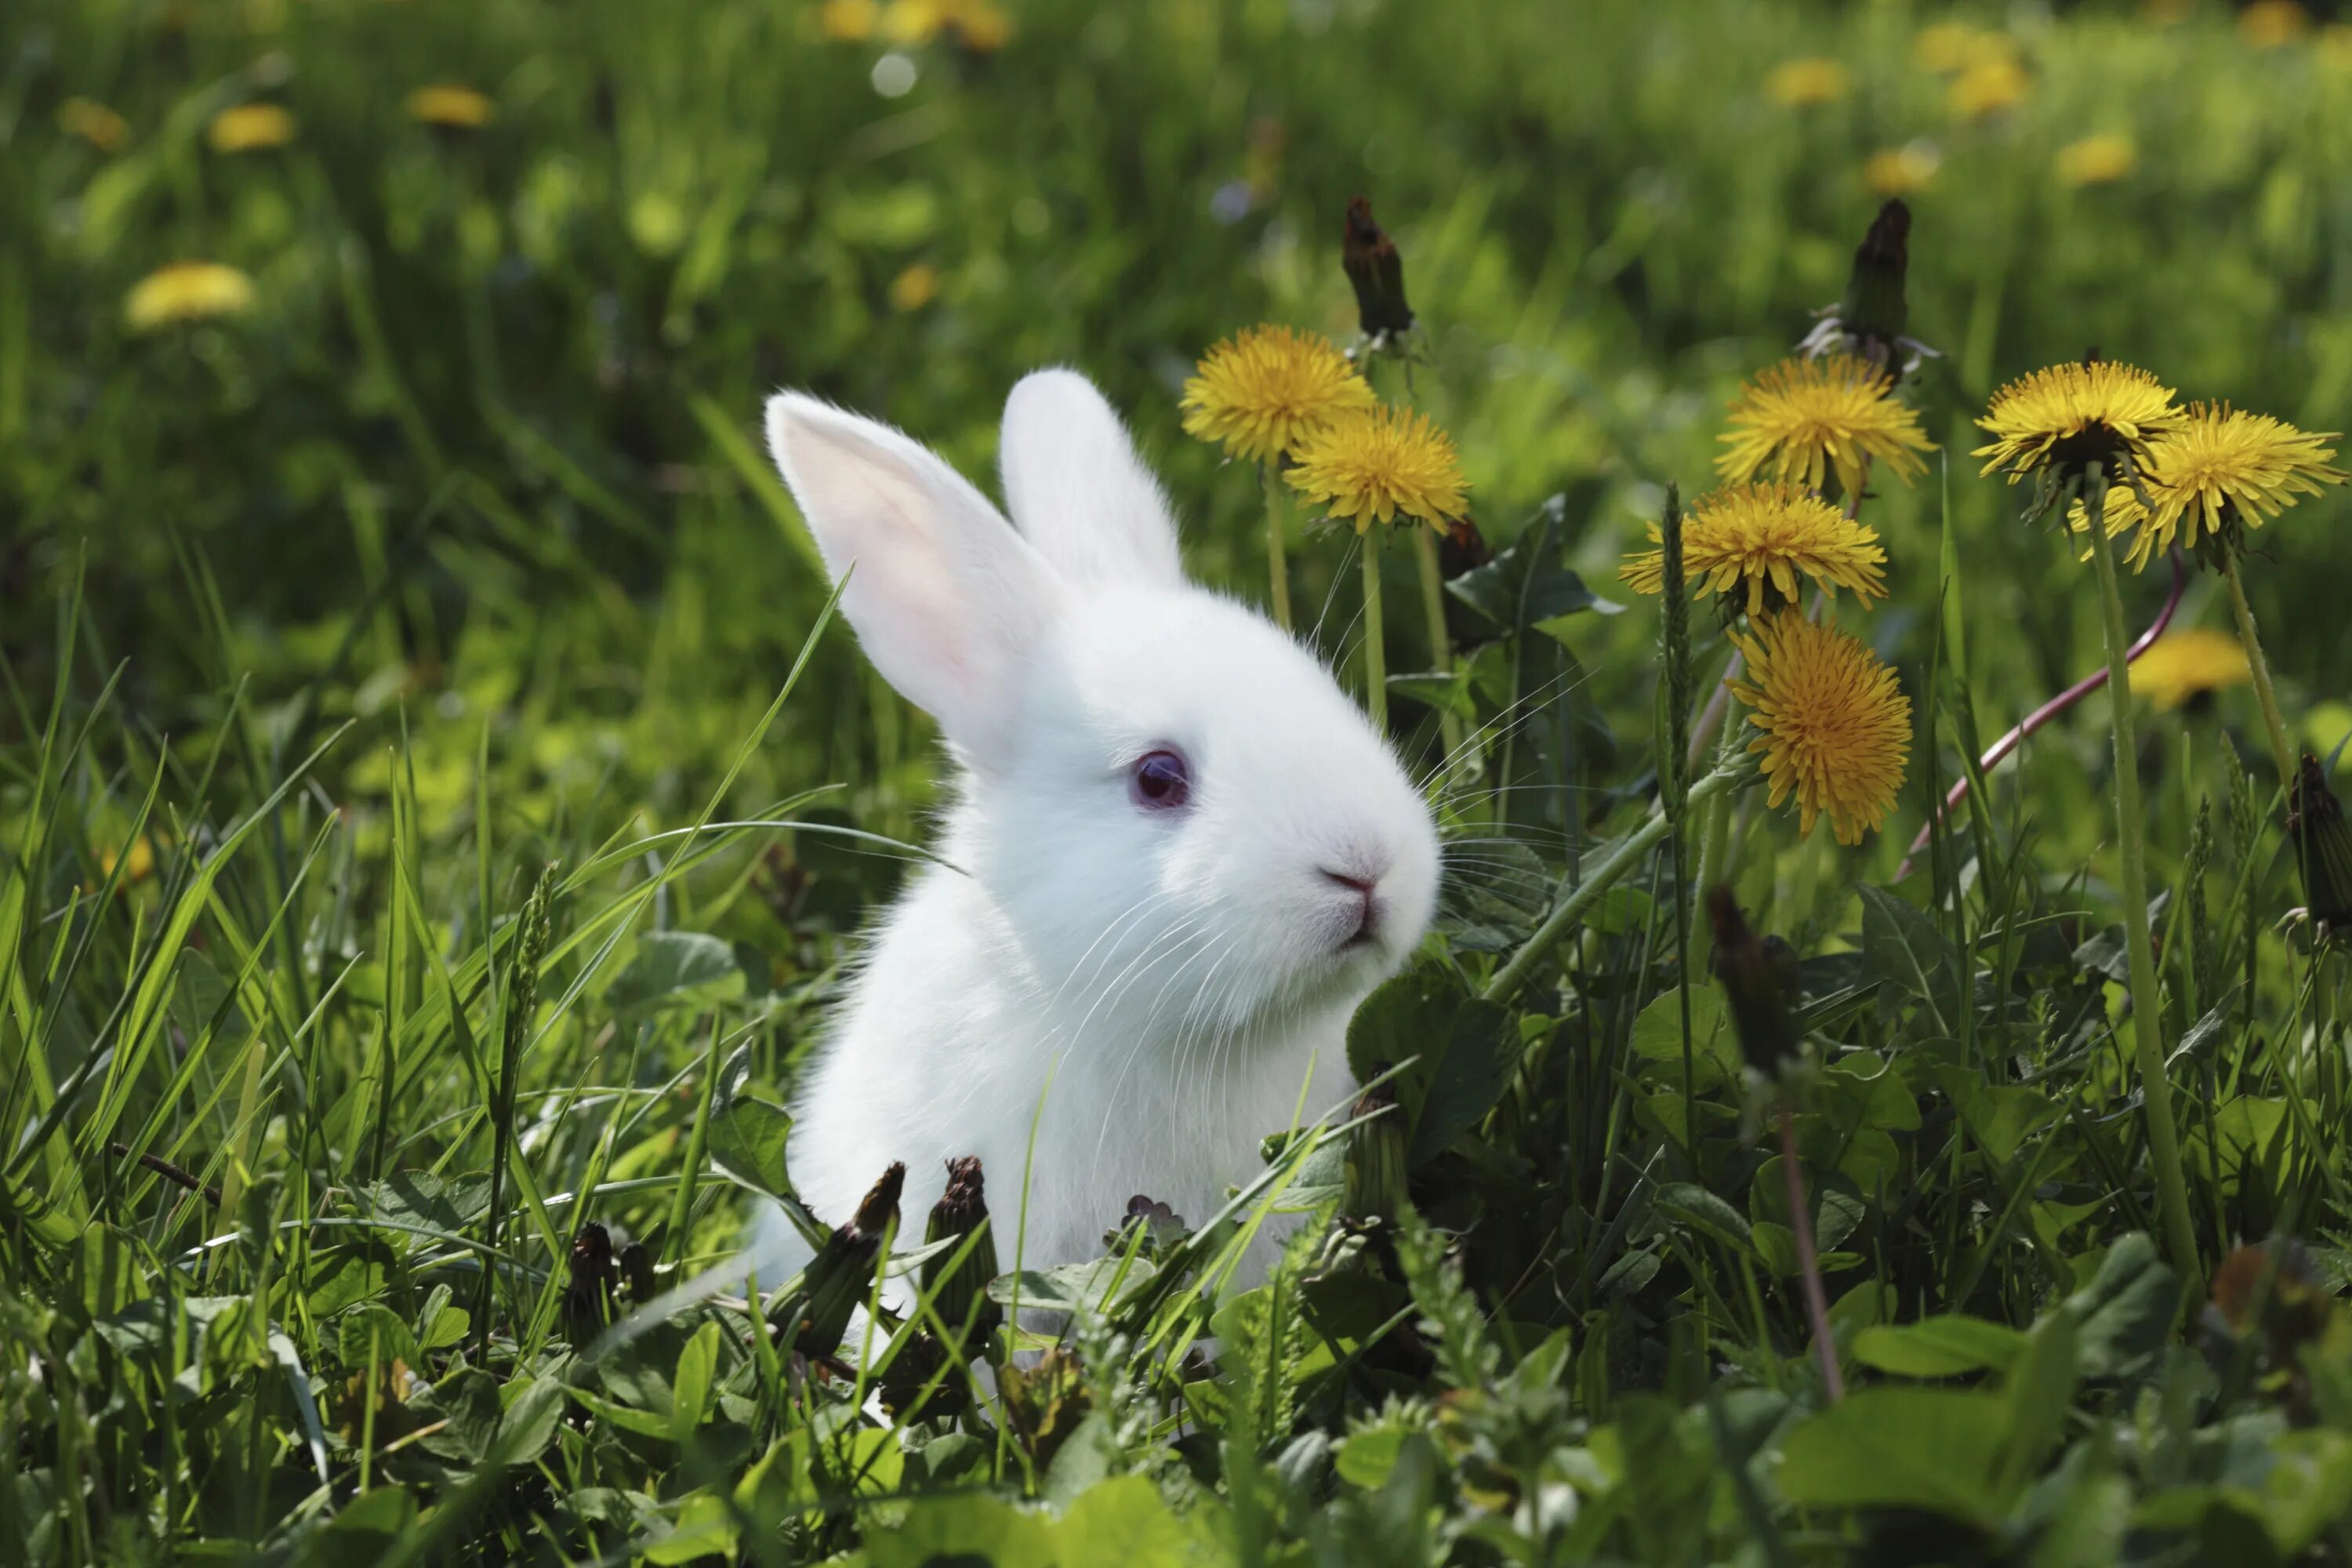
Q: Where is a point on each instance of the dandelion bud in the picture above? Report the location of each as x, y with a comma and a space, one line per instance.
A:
1377, 273
2323, 845
1755, 983
1376, 1156
954, 1286
837, 1279
1874, 311
588, 1296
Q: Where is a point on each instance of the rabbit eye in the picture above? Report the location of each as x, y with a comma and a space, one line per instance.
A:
1160, 780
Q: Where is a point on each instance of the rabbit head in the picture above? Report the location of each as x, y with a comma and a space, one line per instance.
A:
1185, 825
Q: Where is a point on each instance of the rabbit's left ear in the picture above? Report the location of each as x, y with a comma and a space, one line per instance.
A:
1076, 489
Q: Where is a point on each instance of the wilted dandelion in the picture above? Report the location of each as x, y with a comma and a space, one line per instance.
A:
451, 106
1987, 86
1901, 171
1266, 389
915, 287
187, 292
94, 123
1377, 463
1810, 417
1766, 536
2270, 24
251, 128
1835, 728
2097, 160
2070, 416
2187, 665
1800, 83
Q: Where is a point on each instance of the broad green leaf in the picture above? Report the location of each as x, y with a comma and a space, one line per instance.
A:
675, 967
2127, 1310
1905, 949
2001, 1117
1462, 1051
533, 1408
1688, 1204
1900, 1447
446, 1203
1657, 1042
1124, 1521
747, 1141
1938, 1347
973, 1528
698, 1365
1070, 1287
706, 1527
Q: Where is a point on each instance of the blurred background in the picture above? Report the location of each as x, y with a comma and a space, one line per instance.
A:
401, 359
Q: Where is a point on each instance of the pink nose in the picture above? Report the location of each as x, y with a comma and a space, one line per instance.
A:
1364, 887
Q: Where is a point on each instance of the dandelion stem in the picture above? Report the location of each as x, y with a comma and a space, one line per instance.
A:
1801, 1219
2148, 1019
1606, 875
2265, 695
1278, 560
1440, 643
1376, 658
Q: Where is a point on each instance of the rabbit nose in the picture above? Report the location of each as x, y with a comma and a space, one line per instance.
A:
1363, 888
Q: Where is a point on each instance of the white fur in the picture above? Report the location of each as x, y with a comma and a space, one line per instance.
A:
1153, 990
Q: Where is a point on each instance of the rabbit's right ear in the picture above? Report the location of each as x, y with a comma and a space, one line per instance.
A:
945, 597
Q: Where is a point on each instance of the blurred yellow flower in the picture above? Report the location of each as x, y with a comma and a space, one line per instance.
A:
1901, 171
1988, 86
250, 128
1764, 536
1373, 464
915, 287
187, 292
2268, 24
138, 862
1946, 46
914, 21
984, 28
1809, 418
1266, 389
94, 123
847, 21
2097, 160
1815, 79
1834, 726
2188, 665
451, 105
2073, 414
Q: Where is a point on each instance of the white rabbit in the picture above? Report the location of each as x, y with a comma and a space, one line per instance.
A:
1181, 854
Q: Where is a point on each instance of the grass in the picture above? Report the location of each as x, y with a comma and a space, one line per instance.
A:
435, 806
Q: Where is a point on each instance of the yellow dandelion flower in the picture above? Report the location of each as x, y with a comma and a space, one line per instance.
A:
94, 123
1834, 728
1988, 86
138, 862
451, 106
2221, 463
251, 128
1946, 47
1901, 171
1797, 84
1265, 389
1811, 417
1765, 535
1371, 464
2097, 160
2072, 414
847, 21
2188, 665
187, 292
915, 287
2269, 24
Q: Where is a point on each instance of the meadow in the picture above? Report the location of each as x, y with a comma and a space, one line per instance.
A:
438, 799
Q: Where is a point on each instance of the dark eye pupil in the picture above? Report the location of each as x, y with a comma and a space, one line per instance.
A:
1161, 780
